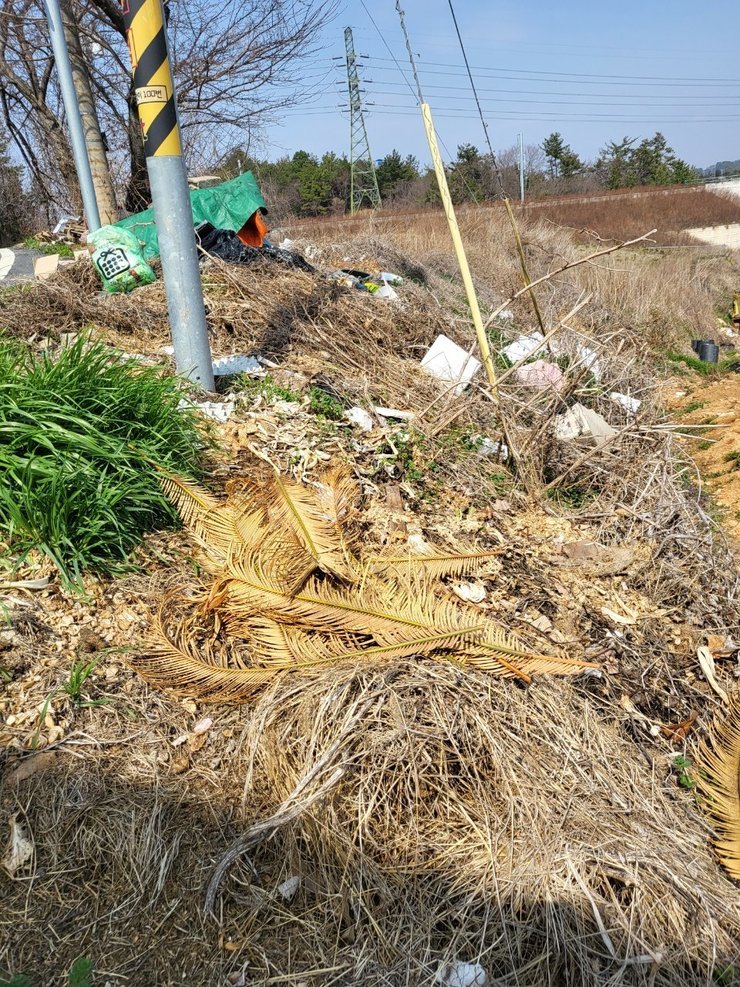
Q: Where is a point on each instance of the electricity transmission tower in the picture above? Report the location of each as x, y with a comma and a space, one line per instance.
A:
363, 180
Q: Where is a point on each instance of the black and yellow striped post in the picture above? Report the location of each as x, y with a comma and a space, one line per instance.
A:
156, 101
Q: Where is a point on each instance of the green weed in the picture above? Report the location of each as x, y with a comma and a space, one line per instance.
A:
80, 673
324, 405
692, 406
734, 458
254, 387
683, 767
78, 435
726, 976
80, 975
63, 249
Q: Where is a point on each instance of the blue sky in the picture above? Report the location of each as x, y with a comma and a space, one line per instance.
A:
594, 71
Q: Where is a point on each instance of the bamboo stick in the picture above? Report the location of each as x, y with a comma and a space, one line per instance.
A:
462, 260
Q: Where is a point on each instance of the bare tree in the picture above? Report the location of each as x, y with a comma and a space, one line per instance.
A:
237, 64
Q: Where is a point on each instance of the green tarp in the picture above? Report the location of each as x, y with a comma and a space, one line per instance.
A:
226, 207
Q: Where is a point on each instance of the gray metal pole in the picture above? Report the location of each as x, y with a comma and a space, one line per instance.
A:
72, 111
521, 166
155, 97
174, 219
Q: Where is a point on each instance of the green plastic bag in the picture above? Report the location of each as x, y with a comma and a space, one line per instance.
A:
226, 207
119, 260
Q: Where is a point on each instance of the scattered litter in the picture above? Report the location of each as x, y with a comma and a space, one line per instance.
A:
227, 366
230, 246
385, 291
450, 362
523, 347
492, 447
40, 583
395, 413
19, 849
220, 411
629, 404
470, 592
287, 889
63, 222
203, 726
358, 416
45, 266
706, 660
506, 315
590, 360
541, 375
390, 278
578, 421
459, 974
7, 259
118, 259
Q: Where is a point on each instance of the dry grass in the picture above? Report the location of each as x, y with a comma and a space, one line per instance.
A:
661, 298
621, 214
430, 816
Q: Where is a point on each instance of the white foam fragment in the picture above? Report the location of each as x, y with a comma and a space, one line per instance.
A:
449, 362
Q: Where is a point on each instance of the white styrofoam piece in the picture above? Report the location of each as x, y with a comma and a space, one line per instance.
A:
579, 420
288, 888
460, 974
629, 404
449, 362
523, 347
237, 363
396, 413
358, 416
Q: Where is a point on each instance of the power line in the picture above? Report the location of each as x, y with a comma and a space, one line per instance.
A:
672, 80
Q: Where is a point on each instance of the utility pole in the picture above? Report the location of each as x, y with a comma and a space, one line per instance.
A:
521, 166
363, 180
72, 112
155, 98
104, 192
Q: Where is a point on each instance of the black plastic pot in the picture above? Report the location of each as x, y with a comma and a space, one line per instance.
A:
696, 343
708, 352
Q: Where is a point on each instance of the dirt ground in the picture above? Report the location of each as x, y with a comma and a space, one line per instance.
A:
714, 406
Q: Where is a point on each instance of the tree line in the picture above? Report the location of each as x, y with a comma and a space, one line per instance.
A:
305, 184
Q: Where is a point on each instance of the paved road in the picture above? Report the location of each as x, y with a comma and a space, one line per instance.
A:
16, 265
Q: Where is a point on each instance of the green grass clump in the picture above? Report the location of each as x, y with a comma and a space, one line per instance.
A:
262, 387
78, 435
63, 249
323, 404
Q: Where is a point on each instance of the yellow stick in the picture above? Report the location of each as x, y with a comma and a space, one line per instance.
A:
462, 260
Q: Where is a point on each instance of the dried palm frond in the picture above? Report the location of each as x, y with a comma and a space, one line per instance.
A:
432, 561
293, 507
220, 527
287, 596
719, 780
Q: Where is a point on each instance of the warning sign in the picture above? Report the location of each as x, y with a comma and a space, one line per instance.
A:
151, 94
